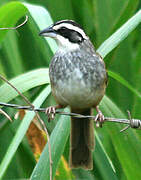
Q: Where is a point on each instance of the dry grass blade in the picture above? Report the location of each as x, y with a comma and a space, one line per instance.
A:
6, 115
20, 25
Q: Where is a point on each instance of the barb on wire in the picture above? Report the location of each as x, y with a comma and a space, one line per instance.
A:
25, 21
128, 126
133, 123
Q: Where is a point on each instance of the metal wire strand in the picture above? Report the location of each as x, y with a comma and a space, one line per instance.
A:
133, 123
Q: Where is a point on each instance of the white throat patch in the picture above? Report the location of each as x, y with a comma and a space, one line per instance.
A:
65, 44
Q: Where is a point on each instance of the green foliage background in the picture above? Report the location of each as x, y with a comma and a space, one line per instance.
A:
25, 57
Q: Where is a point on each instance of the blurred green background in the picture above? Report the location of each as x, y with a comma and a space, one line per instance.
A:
117, 155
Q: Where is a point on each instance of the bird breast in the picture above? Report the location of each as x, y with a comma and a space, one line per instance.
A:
77, 79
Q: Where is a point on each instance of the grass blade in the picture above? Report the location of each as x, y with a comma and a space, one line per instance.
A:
21, 131
42, 19
16, 10
23, 83
104, 164
113, 41
124, 144
58, 140
124, 83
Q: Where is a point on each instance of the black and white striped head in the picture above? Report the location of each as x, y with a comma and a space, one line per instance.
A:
67, 33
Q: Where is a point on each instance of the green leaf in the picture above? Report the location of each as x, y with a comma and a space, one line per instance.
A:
21, 131
23, 83
137, 79
106, 13
124, 83
124, 144
58, 140
63, 171
126, 13
10, 14
13, 53
113, 41
61, 10
42, 19
103, 162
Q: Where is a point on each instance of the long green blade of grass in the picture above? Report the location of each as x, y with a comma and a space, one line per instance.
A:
9, 15
103, 162
42, 19
126, 144
23, 83
124, 83
114, 40
21, 131
58, 140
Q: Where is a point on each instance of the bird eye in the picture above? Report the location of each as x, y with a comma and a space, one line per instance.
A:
63, 28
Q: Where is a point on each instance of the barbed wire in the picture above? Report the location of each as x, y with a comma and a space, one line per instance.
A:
133, 123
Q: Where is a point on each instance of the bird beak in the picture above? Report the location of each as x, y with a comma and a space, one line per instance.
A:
48, 32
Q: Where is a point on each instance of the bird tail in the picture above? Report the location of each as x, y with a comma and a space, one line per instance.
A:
81, 141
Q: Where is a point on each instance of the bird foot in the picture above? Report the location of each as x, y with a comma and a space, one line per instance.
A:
50, 111
99, 119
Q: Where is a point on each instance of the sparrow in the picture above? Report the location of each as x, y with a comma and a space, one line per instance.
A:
78, 79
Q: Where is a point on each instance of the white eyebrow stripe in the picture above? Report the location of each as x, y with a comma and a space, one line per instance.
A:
71, 27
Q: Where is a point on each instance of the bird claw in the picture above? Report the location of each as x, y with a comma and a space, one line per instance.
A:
50, 111
99, 119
